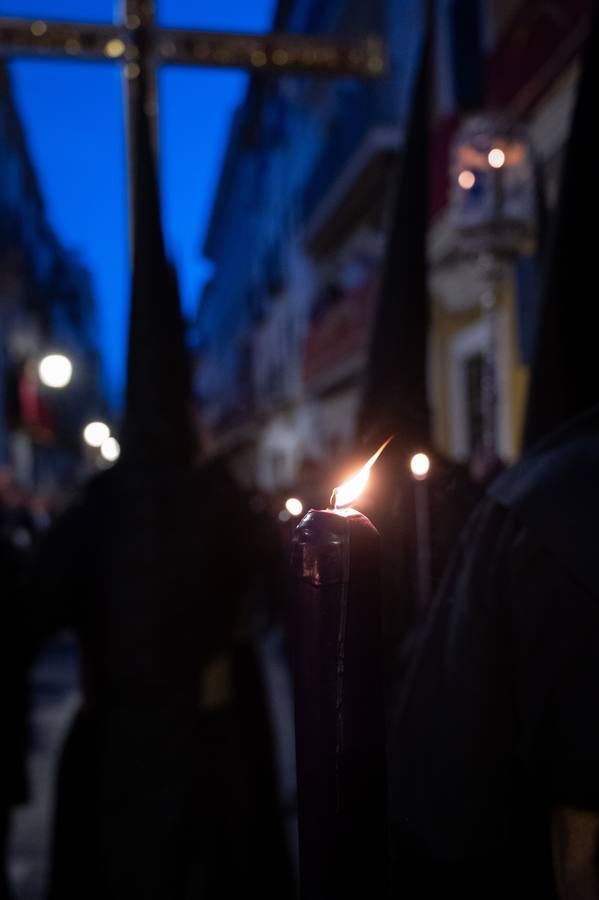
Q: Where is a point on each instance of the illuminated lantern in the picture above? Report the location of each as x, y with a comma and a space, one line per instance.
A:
492, 194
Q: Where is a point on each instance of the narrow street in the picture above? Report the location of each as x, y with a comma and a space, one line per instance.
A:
54, 699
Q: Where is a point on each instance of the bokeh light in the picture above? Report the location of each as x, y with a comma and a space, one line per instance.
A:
420, 465
96, 433
294, 506
110, 449
55, 370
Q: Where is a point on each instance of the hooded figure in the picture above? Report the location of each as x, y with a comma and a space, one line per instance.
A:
494, 788
395, 397
13, 782
166, 785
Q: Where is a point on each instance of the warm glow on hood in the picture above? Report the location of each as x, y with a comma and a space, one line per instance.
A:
345, 493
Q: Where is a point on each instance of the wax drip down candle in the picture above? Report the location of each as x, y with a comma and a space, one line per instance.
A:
338, 694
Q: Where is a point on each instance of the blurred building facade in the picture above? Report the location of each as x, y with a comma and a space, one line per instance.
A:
297, 232
490, 211
46, 306
296, 236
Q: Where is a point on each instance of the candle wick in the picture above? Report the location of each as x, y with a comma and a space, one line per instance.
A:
332, 501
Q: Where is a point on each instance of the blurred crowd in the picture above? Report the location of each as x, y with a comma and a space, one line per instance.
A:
24, 513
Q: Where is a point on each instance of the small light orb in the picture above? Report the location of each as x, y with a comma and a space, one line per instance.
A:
294, 506
466, 179
168, 49
284, 516
376, 64
114, 48
496, 158
38, 28
258, 58
96, 433
110, 449
55, 370
420, 465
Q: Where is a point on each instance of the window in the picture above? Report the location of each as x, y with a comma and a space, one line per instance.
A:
474, 373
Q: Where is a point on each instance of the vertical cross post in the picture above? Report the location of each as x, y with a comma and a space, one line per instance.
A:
139, 76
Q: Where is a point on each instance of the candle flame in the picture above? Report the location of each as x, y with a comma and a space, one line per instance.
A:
345, 493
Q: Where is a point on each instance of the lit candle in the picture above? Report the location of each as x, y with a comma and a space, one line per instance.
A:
338, 689
420, 466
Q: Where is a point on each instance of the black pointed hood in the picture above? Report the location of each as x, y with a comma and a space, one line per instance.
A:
564, 378
158, 422
395, 397
394, 400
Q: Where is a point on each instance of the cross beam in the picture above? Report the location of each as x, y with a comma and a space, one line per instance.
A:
140, 46
293, 53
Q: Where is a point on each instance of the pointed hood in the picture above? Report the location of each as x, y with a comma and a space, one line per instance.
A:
394, 400
564, 369
395, 397
158, 417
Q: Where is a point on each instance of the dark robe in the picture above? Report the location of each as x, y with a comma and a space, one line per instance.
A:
146, 770
13, 785
498, 721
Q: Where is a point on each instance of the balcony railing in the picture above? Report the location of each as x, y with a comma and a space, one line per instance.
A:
366, 107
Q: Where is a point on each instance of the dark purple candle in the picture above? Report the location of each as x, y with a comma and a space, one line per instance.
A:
340, 735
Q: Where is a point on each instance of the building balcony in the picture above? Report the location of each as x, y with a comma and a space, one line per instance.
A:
352, 171
350, 193
337, 343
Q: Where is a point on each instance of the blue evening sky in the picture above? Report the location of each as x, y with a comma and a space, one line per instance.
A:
72, 113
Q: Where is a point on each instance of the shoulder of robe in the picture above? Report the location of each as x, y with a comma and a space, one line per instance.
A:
554, 491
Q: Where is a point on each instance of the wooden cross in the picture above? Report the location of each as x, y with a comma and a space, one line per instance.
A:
140, 46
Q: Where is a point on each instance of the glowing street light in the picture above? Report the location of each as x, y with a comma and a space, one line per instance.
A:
96, 433
55, 370
110, 449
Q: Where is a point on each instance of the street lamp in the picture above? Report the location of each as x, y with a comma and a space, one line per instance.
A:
55, 370
110, 449
96, 433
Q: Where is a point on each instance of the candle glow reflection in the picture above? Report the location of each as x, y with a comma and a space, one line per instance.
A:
345, 493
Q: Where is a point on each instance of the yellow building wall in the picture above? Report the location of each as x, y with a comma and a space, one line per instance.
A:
445, 326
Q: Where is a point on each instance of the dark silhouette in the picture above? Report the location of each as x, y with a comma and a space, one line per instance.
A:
166, 785
13, 784
495, 736
167, 777
563, 376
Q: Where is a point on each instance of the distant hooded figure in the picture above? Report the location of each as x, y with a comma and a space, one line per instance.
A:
149, 568
494, 738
